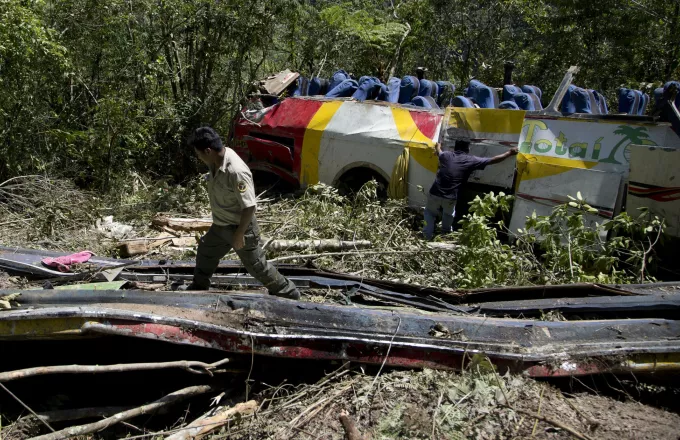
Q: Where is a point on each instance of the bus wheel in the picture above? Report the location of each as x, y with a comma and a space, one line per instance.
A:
352, 181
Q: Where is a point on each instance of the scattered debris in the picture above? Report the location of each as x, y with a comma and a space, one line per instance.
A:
6, 300
470, 404
102, 285
207, 424
142, 246
374, 311
64, 263
112, 229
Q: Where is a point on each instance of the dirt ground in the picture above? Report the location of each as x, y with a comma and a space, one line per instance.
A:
442, 405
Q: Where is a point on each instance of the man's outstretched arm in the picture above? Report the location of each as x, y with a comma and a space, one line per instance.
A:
502, 157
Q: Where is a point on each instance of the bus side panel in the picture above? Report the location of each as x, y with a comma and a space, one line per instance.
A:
654, 183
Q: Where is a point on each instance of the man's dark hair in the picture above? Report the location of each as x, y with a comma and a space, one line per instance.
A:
204, 138
462, 146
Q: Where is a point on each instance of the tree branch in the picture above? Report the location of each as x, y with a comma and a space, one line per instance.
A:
89, 428
190, 366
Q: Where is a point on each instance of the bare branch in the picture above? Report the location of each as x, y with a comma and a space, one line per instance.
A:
190, 366
89, 428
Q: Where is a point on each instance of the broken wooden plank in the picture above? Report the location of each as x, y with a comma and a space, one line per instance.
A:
277, 83
182, 224
142, 246
205, 425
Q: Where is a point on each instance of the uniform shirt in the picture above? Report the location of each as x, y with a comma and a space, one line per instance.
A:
455, 168
231, 189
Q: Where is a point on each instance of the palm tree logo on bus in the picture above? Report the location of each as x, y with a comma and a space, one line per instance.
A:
631, 136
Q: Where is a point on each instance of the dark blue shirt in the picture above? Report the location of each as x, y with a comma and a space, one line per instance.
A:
455, 168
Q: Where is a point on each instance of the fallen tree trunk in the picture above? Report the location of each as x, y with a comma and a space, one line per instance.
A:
191, 366
183, 224
89, 428
203, 426
317, 245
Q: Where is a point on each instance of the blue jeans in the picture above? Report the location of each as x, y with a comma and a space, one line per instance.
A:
448, 208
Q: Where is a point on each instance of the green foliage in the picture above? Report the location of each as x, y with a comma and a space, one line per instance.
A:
94, 90
575, 251
484, 260
559, 248
372, 34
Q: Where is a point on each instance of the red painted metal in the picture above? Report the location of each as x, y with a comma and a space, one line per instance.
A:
289, 119
427, 122
284, 174
316, 349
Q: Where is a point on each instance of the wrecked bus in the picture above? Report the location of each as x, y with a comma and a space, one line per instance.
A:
617, 161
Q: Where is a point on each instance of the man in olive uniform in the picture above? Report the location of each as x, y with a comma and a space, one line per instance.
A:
232, 201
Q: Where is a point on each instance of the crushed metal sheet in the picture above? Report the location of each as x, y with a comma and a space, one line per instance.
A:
266, 325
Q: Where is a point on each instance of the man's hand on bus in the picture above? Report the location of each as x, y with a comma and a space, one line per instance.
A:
503, 156
438, 148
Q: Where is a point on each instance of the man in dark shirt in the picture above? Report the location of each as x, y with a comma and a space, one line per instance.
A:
455, 168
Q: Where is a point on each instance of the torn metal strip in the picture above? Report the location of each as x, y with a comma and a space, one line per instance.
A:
235, 280
602, 306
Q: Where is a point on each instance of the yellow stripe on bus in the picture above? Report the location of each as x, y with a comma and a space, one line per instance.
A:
531, 166
421, 147
485, 120
409, 131
311, 143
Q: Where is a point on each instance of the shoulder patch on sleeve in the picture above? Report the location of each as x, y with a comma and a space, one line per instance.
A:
242, 186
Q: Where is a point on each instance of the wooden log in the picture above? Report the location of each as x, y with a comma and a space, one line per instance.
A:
317, 245
183, 224
89, 428
205, 425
